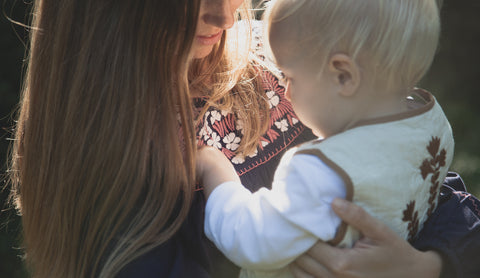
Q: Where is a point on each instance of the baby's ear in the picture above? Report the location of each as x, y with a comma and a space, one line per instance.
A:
345, 72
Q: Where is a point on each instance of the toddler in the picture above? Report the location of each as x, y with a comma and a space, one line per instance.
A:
351, 68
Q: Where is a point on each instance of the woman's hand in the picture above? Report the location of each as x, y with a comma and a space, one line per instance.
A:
213, 169
380, 253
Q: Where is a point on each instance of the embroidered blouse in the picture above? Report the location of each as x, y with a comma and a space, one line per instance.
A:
221, 129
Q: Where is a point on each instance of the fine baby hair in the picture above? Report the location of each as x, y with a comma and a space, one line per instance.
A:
393, 41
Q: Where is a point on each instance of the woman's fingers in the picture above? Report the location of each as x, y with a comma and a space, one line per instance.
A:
307, 267
297, 272
358, 218
322, 255
380, 253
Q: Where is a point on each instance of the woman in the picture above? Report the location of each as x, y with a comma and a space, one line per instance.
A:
103, 186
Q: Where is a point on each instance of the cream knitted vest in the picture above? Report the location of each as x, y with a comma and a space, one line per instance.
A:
393, 166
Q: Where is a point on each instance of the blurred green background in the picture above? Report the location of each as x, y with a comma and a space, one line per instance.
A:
453, 79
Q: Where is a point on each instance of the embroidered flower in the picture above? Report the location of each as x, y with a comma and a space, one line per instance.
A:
215, 116
253, 154
238, 159
282, 125
214, 141
205, 132
294, 120
273, 99
231, 141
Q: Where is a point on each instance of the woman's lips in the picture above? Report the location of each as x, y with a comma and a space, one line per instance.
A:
211, 39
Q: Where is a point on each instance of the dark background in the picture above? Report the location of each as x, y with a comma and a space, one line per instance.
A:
453, 79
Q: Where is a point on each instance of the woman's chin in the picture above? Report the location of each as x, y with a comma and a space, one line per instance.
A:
202, 52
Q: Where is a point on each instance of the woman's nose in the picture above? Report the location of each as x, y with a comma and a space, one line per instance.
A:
218, 13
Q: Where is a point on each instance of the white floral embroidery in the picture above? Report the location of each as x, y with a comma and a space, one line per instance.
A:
238, 159
216, 116
206, 131
253, 154
294, 121
264, 143
273, 99
231, 141
214, 141
282, 125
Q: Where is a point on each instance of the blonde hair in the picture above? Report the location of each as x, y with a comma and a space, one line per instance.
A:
394, 40
98, 175
231, 81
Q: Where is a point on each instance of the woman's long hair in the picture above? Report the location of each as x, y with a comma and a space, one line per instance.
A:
231, 80
98, 173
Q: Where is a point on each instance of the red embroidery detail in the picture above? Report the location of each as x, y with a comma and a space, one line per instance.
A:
284, 107
267, 156
468, 196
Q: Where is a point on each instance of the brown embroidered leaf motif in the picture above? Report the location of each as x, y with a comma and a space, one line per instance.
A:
411, 216
433, 197
440, 159
434, 177
426, 168
431, 165
434, 146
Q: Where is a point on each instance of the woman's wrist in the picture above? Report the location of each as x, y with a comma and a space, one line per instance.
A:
429, 264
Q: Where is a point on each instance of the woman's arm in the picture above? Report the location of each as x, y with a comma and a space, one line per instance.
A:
213, 169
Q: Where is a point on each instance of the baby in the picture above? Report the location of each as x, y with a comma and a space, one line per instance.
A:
351, 68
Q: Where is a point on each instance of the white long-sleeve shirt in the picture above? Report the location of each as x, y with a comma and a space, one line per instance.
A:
268, 229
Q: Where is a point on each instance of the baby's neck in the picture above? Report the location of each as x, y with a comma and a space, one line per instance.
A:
384, 107
375, 105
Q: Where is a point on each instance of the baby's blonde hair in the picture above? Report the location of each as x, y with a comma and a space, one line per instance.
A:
393, 40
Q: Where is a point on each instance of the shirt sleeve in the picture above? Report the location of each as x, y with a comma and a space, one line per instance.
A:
268, 229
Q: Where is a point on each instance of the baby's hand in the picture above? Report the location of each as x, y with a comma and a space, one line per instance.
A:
213, 169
